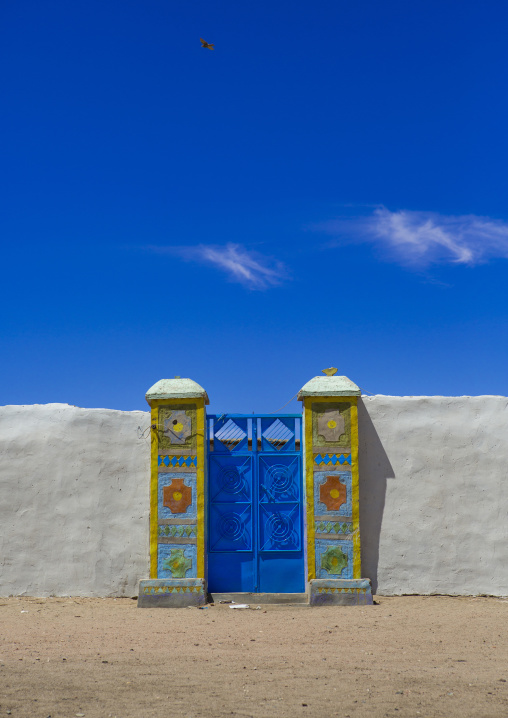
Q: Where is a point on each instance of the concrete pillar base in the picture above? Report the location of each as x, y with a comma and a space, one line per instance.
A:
172, 593
340, 592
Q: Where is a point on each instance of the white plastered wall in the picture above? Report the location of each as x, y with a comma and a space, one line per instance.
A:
74, 497
73, 501
434, 494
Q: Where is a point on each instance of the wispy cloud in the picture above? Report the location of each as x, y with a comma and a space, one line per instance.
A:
249, 268
424, 238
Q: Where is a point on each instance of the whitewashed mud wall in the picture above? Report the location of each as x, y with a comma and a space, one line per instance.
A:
434, 494
73, 501
74, 493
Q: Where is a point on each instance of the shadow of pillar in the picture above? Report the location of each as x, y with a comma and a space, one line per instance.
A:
375, 469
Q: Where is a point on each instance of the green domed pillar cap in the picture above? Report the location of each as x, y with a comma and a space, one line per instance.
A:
329, 386
176, 388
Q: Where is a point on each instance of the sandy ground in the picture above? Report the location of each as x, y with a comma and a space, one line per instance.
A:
407, 656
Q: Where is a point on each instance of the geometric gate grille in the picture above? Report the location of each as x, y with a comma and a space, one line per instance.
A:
255, 532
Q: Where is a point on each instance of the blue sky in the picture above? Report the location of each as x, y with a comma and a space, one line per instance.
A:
327, 187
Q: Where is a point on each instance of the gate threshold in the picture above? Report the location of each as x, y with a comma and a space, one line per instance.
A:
261, 598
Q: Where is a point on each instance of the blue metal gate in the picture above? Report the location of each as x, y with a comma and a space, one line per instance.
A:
255, 512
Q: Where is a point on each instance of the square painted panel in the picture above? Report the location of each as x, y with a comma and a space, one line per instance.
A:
230, 478
320, 413
189, 479
279, 527
230, 527
176, 560
183, 418
279, 478
334, 559
321, 479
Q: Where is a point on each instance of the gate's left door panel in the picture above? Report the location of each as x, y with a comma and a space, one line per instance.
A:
231, 553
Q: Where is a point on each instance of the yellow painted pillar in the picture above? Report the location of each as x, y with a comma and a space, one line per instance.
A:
177, 495
330, 434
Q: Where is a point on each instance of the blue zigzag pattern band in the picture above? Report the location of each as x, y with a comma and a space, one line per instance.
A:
332, 459
178, 460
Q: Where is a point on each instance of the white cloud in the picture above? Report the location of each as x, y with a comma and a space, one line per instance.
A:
423, 238
245, 267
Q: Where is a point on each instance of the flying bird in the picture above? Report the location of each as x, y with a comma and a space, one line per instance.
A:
208, 45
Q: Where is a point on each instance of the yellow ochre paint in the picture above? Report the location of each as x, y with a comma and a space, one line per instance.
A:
309, 484
309, 471
154, 481
357, 568
154, 487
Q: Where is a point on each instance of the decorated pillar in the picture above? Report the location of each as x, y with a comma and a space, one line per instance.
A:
177, 495
330, 433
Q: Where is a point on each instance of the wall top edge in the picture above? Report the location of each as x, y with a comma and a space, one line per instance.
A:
434, 396
177, 388
70, 407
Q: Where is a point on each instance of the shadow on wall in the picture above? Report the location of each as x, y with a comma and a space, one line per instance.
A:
375, 469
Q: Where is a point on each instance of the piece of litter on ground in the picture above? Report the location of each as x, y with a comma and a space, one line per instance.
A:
240, 605
24, 611
226, 601
203, 607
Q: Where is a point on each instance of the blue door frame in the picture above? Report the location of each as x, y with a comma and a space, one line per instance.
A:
255, 504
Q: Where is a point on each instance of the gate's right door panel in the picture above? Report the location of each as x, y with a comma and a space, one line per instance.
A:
280, 546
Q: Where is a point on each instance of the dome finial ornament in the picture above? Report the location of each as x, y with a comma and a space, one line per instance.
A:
330, 372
